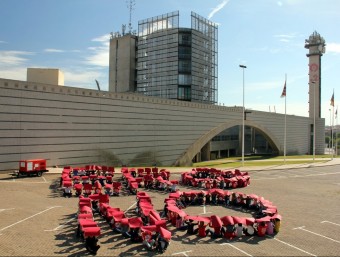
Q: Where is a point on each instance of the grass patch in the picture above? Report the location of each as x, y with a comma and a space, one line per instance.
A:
256, 164
262, 161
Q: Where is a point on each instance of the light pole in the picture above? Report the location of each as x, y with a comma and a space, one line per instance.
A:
314, 85
100, 117
243, 67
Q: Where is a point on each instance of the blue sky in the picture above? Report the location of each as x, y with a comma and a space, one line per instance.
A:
265, 35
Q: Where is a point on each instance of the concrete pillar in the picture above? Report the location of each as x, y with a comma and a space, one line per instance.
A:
205, 152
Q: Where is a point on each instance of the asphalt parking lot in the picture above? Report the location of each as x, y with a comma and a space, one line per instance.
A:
36, 221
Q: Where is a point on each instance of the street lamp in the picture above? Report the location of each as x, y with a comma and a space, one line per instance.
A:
243, 67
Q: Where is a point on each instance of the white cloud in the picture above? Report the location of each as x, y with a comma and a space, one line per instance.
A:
13, 64
2, 42
16, 73
52, 50
13, 57
285, 37
333, 48
292, 35
81, 77
99, 55
103, 38
279, 3
217, 8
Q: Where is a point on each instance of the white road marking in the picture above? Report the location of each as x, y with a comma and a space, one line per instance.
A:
28, 218
297, 176
184, 253
325, 221
61, 225
130, 207
26, 182
1, 210
303, 228
204, 210
268, 178
237, 249
44, 179
292, 246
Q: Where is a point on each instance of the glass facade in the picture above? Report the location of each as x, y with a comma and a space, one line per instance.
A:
177, 63
204, 59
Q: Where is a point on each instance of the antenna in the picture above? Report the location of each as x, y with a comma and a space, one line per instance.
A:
123, 29
130, 5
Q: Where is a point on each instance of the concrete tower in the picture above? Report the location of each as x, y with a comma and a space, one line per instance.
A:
316, 45
122, 64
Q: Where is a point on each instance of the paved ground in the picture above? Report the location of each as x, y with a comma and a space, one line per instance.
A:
36, 221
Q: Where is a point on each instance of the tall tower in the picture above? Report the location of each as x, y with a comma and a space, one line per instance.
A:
316, 45
122, 64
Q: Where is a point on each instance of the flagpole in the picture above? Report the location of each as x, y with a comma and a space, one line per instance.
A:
314, 125
336, 125
332, 123
332, 133
284, 140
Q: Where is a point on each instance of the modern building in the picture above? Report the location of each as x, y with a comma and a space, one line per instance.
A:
169, 61
160, 108
76, 126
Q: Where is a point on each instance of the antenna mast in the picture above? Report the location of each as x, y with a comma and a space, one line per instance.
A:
130, 5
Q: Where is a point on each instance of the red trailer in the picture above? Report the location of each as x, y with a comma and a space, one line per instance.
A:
28, 167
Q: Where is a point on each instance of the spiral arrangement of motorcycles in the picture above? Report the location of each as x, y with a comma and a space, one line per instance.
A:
200, 187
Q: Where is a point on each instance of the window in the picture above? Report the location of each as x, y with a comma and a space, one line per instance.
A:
184, 93
184, 52
184, 79
184, 66
185, 39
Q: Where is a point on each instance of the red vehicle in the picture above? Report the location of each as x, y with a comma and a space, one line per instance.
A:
29, 167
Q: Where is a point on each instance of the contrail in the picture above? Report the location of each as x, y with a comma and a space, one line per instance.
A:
218, 8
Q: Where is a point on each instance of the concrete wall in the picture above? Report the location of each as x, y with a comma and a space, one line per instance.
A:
45, 76
74, 126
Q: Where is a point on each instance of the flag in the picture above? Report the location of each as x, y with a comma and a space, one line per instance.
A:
284, 91
332, 100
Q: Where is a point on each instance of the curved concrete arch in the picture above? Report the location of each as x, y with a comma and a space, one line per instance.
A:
186, 158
